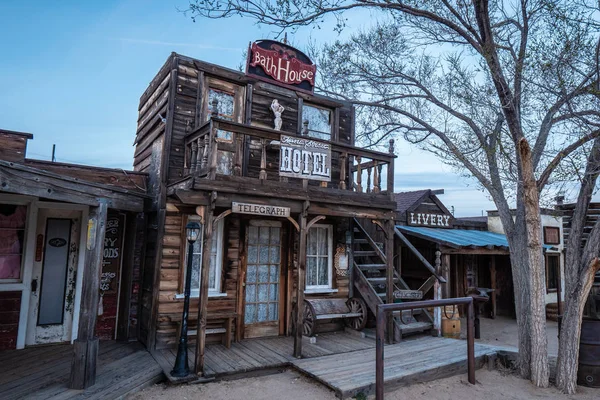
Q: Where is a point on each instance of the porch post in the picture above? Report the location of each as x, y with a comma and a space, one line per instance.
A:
493, 284
389, 270
446, 275
437, 294
301, 283
85, 347
204, 273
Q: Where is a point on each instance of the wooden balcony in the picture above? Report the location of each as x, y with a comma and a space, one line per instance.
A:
231, 157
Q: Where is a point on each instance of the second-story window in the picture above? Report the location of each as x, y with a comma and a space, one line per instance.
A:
225, 109
319, 121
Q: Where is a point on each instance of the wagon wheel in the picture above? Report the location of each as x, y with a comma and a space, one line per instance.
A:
356, 305
308, 325
308, 321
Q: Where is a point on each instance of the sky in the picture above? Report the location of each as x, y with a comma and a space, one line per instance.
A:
72, 73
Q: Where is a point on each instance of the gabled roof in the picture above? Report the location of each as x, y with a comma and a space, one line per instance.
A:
406, 200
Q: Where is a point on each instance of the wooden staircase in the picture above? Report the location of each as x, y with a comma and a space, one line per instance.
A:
369, 276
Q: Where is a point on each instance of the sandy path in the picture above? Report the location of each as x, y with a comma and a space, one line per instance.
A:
492, 385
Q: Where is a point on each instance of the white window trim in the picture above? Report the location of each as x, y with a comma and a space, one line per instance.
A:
329, 286
218, 235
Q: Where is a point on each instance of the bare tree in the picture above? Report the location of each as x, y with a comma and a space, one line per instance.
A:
506, 91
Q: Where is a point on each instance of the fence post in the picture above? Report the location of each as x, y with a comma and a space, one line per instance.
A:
379, 343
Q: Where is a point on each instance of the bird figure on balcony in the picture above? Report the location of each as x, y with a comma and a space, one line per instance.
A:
278, 109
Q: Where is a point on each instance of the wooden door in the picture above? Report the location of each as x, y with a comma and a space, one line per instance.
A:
54, 275
263, 304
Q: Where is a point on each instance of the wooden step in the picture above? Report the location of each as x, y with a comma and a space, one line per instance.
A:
415, 327
380, 281
360, 241
365, 253
371, 266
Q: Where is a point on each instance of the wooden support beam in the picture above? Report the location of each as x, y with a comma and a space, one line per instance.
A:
85, 347
389, 274
132, 223
437, 295
204, 273
446, 274
493, 284
301, 281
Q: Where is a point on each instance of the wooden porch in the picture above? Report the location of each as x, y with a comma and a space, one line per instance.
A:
252, 355
43, 372
342, 361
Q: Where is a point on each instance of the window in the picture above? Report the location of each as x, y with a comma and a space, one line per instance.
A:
12, 239
551, 235
319, 121
216, 261
552, 272
225, 103
319, 257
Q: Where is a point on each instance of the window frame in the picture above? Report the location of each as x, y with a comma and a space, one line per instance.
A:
24, 249
558, 272
331, 122
551, 228
329, 285
218, 234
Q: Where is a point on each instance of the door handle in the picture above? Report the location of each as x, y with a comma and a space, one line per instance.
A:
34, 285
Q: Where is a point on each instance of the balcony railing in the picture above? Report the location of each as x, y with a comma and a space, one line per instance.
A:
225, 148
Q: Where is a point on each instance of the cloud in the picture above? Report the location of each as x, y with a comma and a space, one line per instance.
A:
178, 44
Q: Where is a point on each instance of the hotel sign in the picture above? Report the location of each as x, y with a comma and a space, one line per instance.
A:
305, 159
277, 62
260, 209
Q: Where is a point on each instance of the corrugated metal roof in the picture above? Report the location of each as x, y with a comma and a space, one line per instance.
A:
458, 237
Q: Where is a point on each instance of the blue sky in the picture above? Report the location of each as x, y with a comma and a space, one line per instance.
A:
72, 73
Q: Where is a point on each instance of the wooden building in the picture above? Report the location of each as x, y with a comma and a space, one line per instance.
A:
71, 241
467, 252
272, 173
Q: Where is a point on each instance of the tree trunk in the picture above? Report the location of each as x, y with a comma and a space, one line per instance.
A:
537, 285
576, 294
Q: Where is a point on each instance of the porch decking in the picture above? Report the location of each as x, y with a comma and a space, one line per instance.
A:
252, 355
410, 361
43, 372
342, 361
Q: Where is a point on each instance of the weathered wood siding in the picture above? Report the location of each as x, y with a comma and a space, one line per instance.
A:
172, 273
13, 145
10, 306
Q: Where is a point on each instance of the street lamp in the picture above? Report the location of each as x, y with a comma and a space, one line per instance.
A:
182, 368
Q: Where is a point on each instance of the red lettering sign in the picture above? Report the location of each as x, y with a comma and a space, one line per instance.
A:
281, 63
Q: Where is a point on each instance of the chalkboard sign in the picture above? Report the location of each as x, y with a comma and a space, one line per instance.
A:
113, 249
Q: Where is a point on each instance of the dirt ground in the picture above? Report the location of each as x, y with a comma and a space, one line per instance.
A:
502, 331
289, 385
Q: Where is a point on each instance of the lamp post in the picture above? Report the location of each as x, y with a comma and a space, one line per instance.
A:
182, 367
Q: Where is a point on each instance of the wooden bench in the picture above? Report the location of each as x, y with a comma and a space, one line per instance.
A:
353, 311
227, 330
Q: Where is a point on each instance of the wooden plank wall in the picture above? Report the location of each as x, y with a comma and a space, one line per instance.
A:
130, 180
172, 274
10, 306
13, 146
187, 110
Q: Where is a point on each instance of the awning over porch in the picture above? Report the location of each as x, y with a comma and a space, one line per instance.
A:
458, 238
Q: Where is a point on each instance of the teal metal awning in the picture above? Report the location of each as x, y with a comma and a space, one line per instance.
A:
457, 238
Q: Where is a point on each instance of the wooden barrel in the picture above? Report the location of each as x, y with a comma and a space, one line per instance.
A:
450, 322
588, 373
